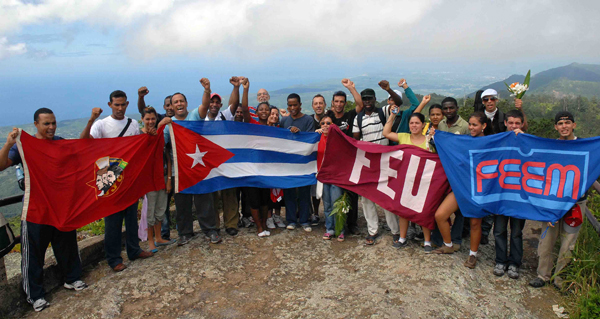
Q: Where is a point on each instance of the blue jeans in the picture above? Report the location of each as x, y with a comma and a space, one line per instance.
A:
516, 240
455, 231
330, 194
297, 204
112, 235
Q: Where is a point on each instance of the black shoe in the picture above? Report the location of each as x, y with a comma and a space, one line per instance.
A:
353, 230
537, 282
232, 232
183, 240
399, 245
484, 240
215, 238
314, 220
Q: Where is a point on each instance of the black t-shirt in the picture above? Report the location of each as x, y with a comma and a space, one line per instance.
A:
345, 122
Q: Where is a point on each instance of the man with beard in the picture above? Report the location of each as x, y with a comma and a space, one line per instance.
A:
368, 126
297, 122
36, 237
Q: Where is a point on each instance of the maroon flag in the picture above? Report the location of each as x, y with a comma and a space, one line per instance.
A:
71, 183
404, 179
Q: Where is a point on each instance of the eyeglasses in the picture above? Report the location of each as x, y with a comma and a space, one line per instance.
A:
325, 123
261, 94
485, 99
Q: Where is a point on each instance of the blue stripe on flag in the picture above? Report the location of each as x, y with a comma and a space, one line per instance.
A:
246, 155
238, 128
219, 183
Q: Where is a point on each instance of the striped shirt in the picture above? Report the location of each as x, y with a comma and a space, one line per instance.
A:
372, 129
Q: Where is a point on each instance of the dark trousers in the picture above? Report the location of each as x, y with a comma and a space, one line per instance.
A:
352, 218
486, 225
34, 242
165, 229
455, 231
205, 212
112, 235
245, 205
297, 204
516, 240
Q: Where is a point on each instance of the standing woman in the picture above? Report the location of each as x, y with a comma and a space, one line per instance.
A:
157, 200
416, 138
479, 125
277, 201
435, 117
331, 193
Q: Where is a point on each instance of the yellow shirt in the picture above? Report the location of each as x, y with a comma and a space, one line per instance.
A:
404, 138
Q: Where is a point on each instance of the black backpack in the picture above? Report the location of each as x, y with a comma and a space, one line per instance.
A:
7, 237
360, 115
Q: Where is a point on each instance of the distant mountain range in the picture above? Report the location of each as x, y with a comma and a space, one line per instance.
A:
569, 80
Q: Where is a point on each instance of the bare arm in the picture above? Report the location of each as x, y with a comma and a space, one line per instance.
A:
424, 102
143, 91
245, 111
357, 99
203, 109
88, 127
5, 162
387, 129
385, 85
519, 106
234, 98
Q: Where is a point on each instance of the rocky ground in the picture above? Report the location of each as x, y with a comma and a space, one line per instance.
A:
294, 274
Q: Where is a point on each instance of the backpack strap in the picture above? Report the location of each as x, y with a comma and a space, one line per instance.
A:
222, 116
125, 128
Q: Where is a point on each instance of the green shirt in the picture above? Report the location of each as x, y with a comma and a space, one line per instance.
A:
460, 127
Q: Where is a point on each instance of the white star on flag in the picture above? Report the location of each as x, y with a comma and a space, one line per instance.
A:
197, 157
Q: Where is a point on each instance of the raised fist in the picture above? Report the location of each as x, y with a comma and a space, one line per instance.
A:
347, 83
402, 83
205, 83
245, 83
427, 98
519, 104
143, 91
384, 84
12, 136
235, 81
96, 113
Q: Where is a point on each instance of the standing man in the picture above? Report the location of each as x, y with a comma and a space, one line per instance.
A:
368, 126
117, 125
318, 105
142, 92
297, 122
231, 215
36, 237
564, 123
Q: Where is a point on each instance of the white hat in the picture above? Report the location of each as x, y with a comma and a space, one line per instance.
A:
489, 92
397, 92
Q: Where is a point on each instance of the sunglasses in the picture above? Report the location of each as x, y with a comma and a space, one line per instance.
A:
485, 99
325, 123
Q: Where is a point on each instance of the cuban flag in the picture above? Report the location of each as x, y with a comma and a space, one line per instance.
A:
210, 156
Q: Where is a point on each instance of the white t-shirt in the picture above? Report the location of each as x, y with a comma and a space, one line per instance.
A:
226, 114
109, 127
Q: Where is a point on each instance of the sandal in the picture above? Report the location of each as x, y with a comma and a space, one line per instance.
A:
340, 238
372, 239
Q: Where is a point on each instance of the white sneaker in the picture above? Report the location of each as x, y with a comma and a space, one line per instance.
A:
264, 233
270, 223
268, 233
307, 228
40, 305
76, 285
278, 221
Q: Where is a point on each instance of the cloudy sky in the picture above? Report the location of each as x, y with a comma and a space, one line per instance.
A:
71, 54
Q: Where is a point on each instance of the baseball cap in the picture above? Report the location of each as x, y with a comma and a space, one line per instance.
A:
573, 220
489, 92
217, 95
564, 115
397, 92
367, 93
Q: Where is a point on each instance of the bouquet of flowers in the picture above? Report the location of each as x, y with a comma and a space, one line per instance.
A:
517, 89
341, 207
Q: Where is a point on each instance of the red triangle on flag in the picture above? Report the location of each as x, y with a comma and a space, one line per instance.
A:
196, 156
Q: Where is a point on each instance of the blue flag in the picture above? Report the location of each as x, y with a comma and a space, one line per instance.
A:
521, 176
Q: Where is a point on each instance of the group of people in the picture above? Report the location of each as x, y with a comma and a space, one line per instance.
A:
261, 207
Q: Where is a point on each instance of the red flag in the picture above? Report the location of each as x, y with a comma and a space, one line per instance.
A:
71, 183
195, 156
404, 179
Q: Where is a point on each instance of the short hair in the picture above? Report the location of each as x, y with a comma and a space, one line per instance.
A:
116, 94
515, 114
564, 115
419, 115
149, 110
450, 99
326, 116
184, 98
169, 98
318, 95
263, 103
294, 96
435, 106
340, 93
43, 110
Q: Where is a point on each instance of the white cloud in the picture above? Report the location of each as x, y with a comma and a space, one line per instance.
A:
348, 30
8, 50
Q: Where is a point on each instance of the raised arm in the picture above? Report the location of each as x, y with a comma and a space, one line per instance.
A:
414, 102
387, 129
347, 83
10, 141
245, 111
234, 98
203, 109
88, 127
385, 85
424, 102
519, 106
143, 91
